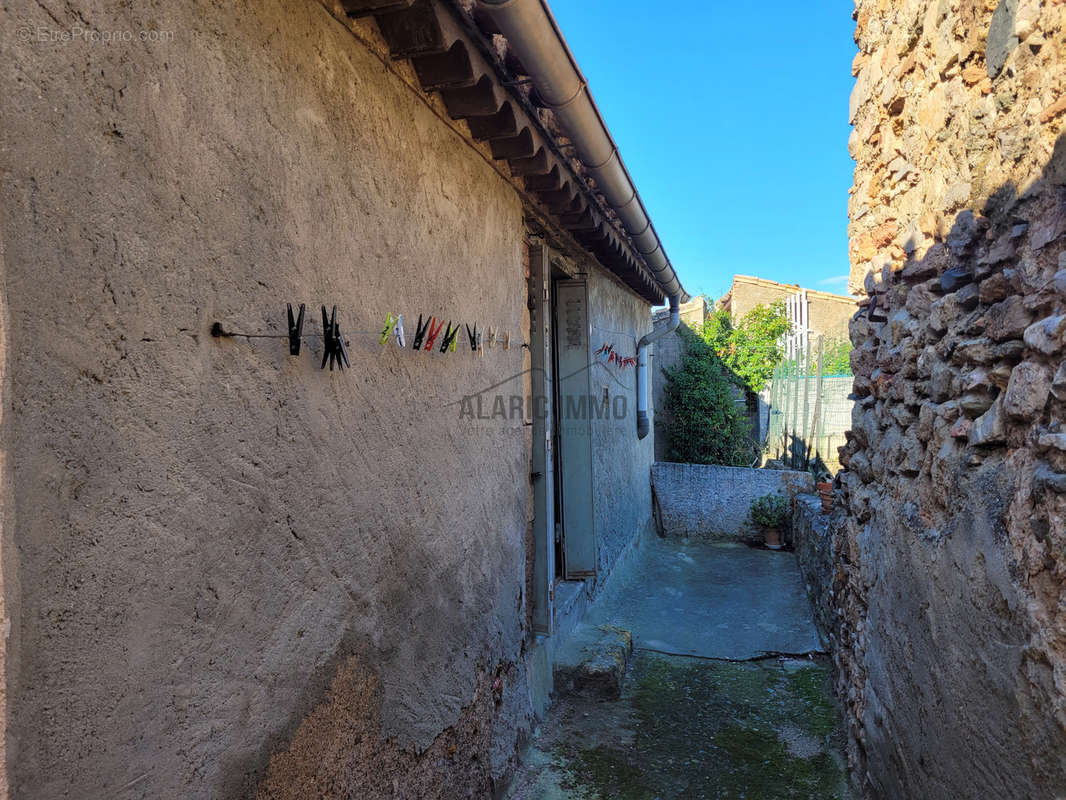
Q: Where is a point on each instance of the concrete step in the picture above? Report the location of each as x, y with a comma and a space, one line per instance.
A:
592, 662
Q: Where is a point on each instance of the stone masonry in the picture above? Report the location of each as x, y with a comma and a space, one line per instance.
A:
949, 598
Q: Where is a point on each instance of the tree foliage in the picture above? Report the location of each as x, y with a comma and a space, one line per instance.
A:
751, 348
704, 425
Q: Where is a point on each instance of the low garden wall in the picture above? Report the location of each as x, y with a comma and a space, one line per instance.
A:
712, 502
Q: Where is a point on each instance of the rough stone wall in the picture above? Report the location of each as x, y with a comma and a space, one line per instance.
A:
621, 463
714, 502
813, 535
949, 590
221, 552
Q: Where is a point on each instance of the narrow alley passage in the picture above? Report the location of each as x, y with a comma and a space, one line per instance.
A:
725, 694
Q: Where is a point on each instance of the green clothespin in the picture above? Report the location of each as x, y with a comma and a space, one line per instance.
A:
389, 323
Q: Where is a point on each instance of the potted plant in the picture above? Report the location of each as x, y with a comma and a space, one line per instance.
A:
769, 512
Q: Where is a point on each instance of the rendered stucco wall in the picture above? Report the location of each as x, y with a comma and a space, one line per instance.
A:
714, 502
948, 581
224, 553
8, 576
621, 478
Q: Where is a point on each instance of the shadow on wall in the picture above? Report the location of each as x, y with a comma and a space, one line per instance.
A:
950, 640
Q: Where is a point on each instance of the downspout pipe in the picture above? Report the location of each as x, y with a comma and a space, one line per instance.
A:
534, 36
643, 423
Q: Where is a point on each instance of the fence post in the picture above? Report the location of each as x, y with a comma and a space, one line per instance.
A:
818, 423
785, 397
793, 430
805, 441
774, 388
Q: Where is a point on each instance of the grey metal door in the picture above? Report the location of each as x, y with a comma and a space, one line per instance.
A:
574, 413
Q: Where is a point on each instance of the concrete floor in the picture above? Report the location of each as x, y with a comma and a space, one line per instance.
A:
710, 599
704, 712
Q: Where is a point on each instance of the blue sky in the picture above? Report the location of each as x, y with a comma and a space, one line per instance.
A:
733, 120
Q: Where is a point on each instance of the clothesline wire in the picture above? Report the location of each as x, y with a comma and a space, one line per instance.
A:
230, 334
224, 332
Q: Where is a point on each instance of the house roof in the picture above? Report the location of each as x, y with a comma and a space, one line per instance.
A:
457, 53
784, 288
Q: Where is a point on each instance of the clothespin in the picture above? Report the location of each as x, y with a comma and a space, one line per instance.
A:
335, 352
296, 330
492, 336
507, 341
448, 342
397, 329
387, 329
473, 336
420, 334
434, 332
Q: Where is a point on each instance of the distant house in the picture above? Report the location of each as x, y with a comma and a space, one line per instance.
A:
826, 314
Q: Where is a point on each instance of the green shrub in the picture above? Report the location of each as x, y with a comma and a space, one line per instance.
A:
770, 510
704, 425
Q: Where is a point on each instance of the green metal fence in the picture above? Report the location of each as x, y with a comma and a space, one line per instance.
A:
809, 412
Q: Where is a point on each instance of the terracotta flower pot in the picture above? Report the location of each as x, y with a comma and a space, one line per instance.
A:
825, 491
772, 537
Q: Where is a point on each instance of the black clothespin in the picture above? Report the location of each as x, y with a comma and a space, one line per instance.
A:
420, 333
472, 335
296, 330
449, 337
335, 352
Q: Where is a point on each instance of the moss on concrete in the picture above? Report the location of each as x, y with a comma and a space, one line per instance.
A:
709, 729
811, 686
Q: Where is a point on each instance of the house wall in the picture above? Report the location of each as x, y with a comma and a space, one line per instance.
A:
226, 571
948, 581
621, 476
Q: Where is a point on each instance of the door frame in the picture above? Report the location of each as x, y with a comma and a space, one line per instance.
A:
542, 396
